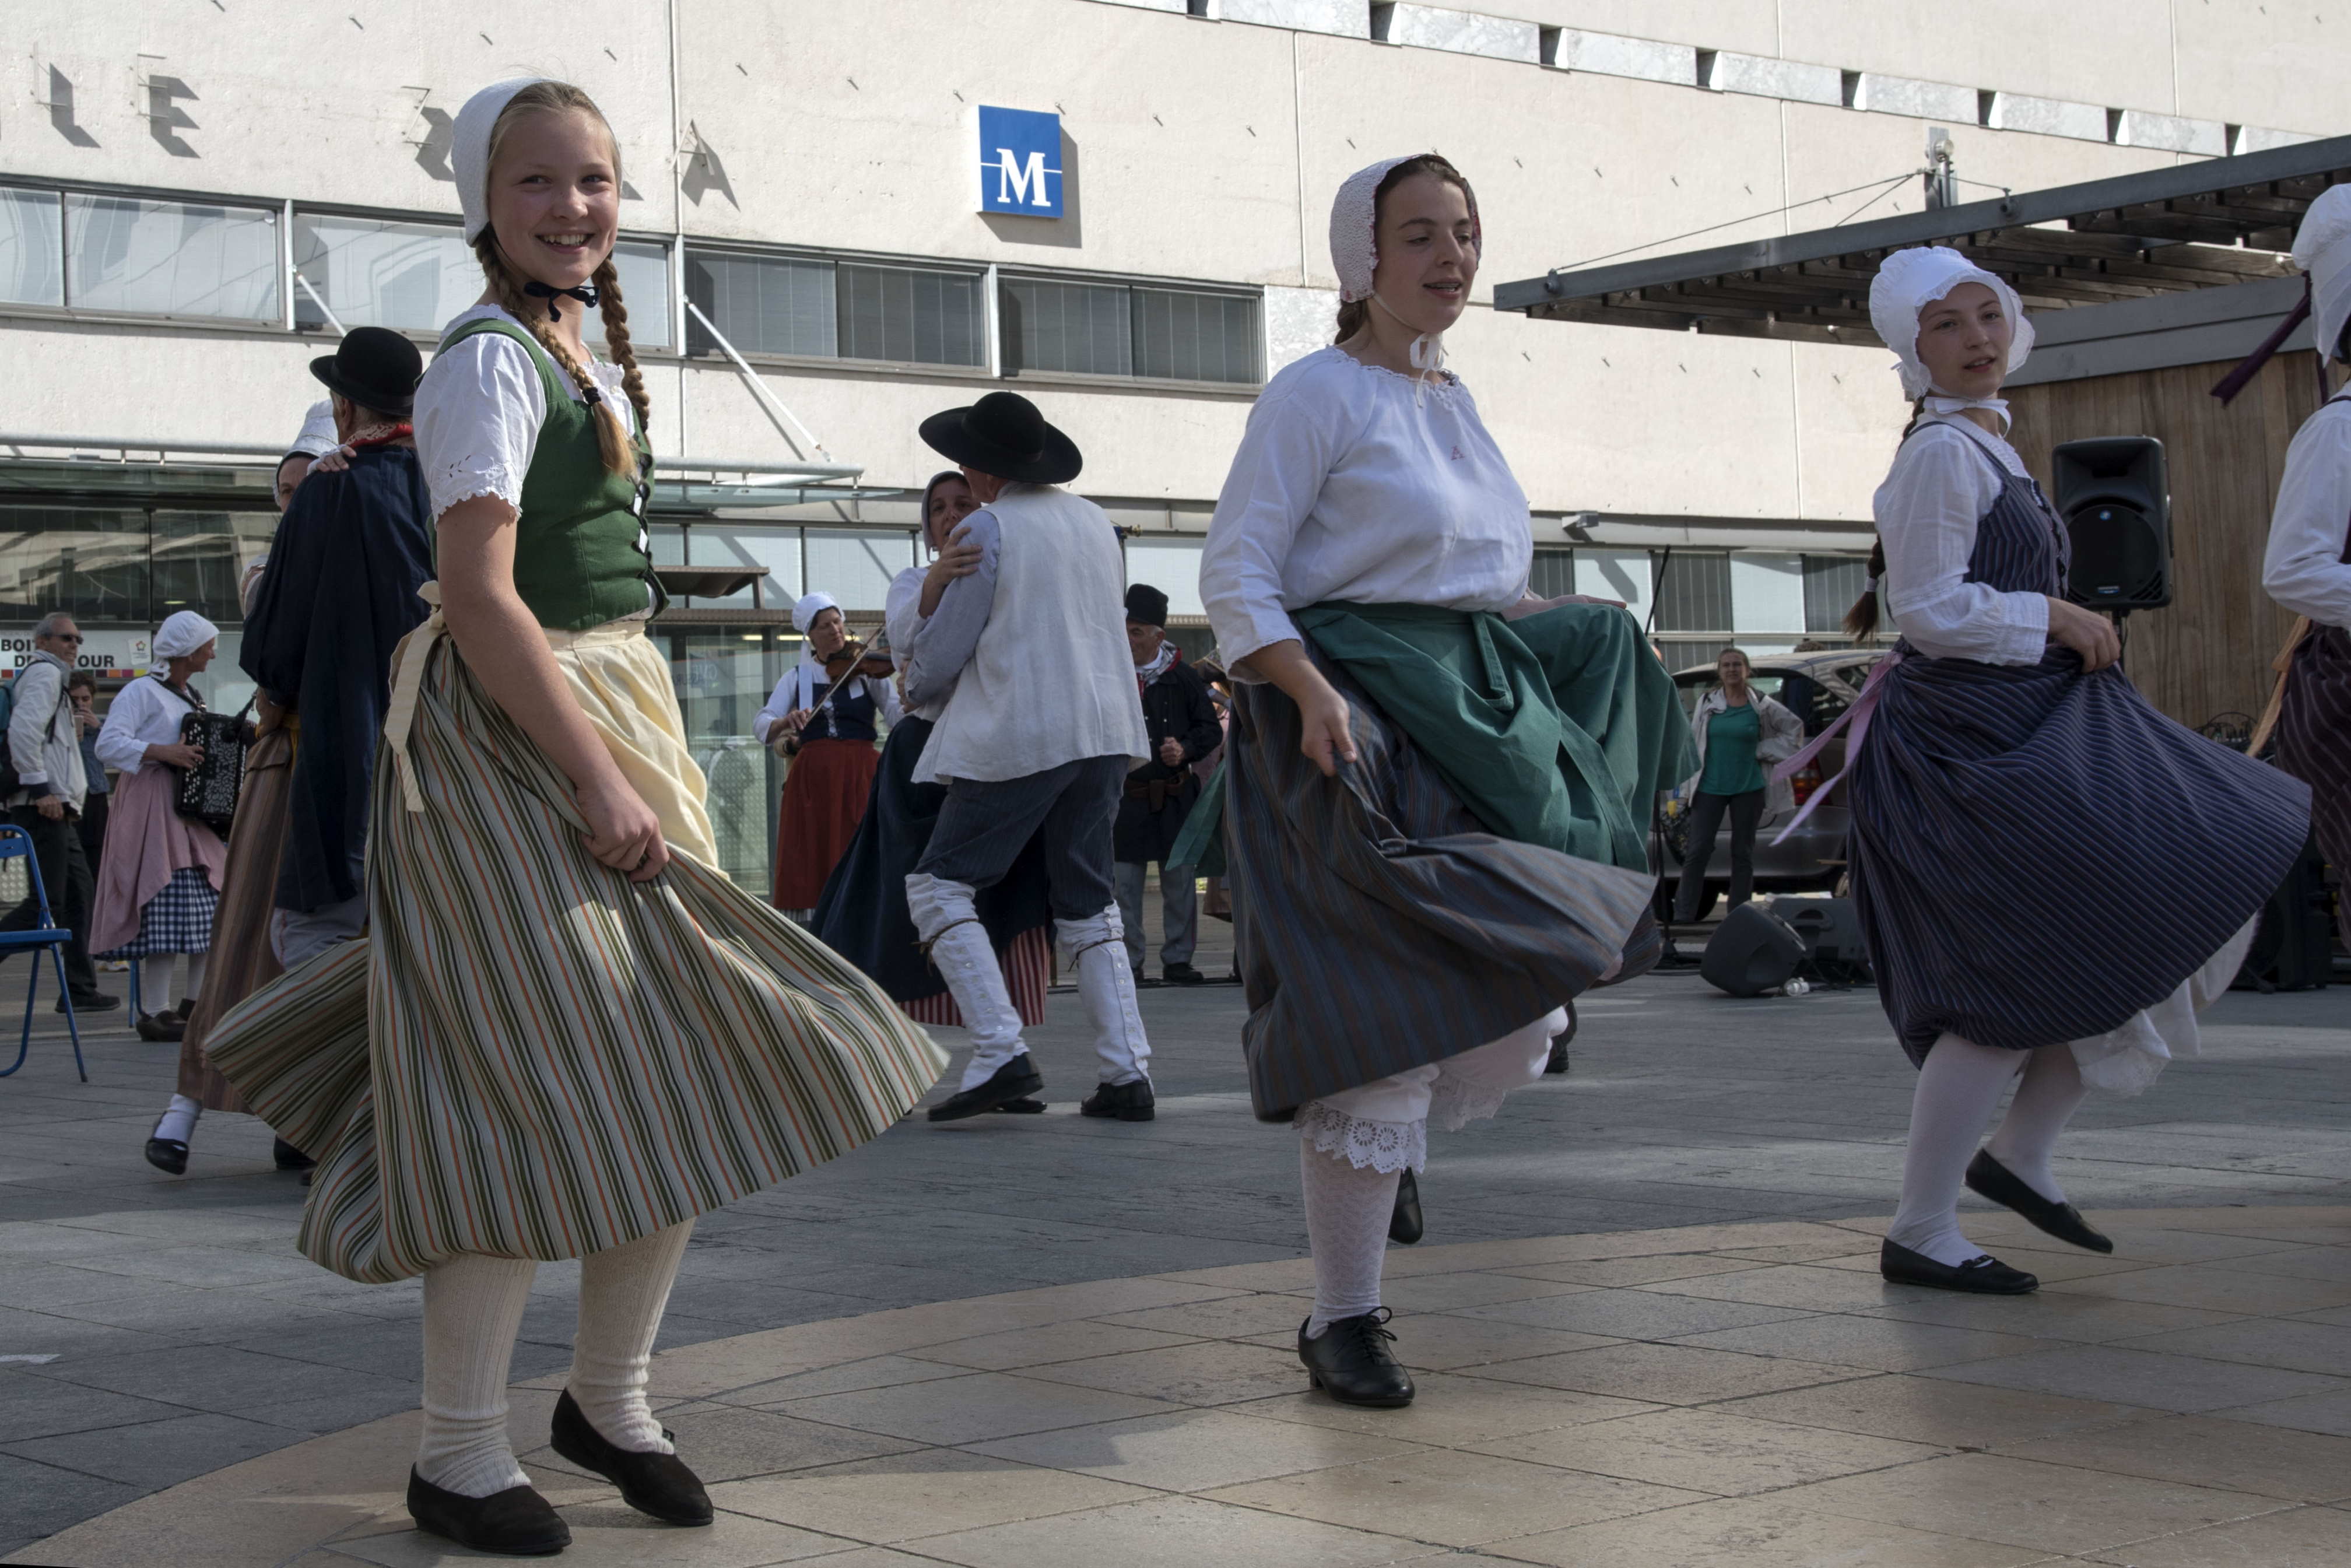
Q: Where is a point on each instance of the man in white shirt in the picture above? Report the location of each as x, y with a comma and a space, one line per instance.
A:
1035, 742
45, 749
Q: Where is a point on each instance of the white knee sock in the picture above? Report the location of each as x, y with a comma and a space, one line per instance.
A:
1347, 1213
1957, 1091
2045, 1101
179, 1122
195, 976
621, 1294
473, 1310
155, 982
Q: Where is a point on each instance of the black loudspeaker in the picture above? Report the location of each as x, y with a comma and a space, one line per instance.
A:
2294, 947
1752, 951
1831, 930
2116, 499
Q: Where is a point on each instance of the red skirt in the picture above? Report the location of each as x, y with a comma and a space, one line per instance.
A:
824, 800
1028, 976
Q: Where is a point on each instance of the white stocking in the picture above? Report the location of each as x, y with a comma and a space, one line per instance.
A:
195, 978
179, 1122
2051, 1092
621, 1293
1958, 1088
1348, 1209
473, 1310
156, 992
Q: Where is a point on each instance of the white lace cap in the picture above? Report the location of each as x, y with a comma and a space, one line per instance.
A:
1354, 225
2322, 248
809, 607
318, 435
1909, 281
469, 148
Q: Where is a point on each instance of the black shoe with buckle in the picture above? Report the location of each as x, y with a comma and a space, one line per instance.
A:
657, 1484
1989, 1178
1182, 975
1403, 1220
169, 1155
1980, 1276
516, 1523
1127, 1102
1350, 1361
1015, 1079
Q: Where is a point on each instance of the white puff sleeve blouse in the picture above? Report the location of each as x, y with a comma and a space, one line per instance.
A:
144, 713
2303, 568
480, 409
1356, 482
1926, 511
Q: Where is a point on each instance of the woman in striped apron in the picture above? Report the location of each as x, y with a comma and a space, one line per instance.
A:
567, 1034
2307, 568
2051, 876
1434, 811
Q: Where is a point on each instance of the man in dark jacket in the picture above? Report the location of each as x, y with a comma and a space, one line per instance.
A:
339, 594
1180, 718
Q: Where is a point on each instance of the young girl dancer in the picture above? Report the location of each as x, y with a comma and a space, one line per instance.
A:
1433, 813
568, 1034
2051, 876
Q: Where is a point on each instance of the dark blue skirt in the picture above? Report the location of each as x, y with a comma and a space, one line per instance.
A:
2038, 854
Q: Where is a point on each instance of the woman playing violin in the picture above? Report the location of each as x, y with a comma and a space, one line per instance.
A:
822, 715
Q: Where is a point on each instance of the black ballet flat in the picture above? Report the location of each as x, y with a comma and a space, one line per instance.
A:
1350, 1361
1015, 1079
1404, 1223
516, 1523
657, 1484
1021, 1107
168, 1155
1984, 1276
1987, 1178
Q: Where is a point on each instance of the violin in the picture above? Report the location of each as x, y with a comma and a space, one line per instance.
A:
856, 657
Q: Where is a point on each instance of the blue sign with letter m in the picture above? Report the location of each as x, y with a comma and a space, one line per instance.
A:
1020, 163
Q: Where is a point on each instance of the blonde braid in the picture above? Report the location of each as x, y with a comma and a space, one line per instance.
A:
616, 339
611, 439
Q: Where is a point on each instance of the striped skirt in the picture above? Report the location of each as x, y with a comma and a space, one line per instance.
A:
1378, 926
2314, 738
532, 1055
242, 959
2038, 855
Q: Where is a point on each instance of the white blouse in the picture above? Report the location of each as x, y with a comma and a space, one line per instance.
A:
1357, 483
480, 409
2304, 568
803, 684
144, 713
903, 617
1927, 514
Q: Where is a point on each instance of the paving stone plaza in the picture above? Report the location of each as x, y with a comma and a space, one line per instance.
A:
1646, 1325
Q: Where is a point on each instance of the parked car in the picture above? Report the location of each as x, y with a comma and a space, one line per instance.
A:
1817, 687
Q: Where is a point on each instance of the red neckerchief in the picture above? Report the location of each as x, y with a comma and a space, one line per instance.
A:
400, 431
1142, 682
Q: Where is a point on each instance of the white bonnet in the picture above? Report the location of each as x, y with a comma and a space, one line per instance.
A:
318, 436
469, 149
1907, 281
183, 633
1354, 223
2322, 248
810, 606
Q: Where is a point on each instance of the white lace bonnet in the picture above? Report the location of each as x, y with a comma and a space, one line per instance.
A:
1909, 281
2322, 248
469, 148
1354, 225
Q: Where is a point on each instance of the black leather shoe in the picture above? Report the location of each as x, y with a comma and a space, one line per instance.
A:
1404, 1221
1023, 1107
1182, 975
288, 1157
161, 1029
1350, 1362
1010, 1081
516, 1523
168, 1155
95, 1002
1127, 1102
658, 1484
1558, 1063
1984, 1276
1990, 1179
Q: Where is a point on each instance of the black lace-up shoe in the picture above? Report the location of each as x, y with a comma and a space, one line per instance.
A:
1983, 1276
1990, 1179
1404, 1222
1350, 1362
1127, 1102
516, 1523
1014, 1080
658, 1484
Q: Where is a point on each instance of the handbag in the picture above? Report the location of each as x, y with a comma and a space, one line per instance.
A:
207, 792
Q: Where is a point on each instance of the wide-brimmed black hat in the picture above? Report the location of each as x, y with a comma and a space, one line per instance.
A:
1145, 605
1004, 435
374, 367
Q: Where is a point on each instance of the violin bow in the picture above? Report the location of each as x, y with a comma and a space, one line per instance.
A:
880, 644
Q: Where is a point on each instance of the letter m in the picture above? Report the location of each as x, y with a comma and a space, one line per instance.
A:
1013, 180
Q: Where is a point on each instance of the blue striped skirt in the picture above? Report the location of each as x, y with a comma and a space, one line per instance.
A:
2038, 854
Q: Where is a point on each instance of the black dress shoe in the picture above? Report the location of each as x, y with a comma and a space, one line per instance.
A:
1127, 1102
1990, 1179
658, 1484
95, 1002
288, 1157
1404, 1221
1984, 1276
1350, 1362
1023, 1107
1010, 1081
1558, 1063
516, 1523
168, 1155
1182, 975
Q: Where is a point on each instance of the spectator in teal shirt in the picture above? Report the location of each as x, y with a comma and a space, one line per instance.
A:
1737, 731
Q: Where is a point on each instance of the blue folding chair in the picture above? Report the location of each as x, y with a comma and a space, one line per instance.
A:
14, 841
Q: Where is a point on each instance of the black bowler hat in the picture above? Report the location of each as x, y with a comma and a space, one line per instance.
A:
1145, 605
374, 367
1004, 435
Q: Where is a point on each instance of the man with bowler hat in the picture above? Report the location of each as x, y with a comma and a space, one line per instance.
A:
1036, 739
1179, 720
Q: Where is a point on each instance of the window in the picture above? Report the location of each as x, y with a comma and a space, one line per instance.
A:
1196, 337
31, 238
1694, 591
412, 278
171, 259
643, 270
1832, 585
1553, 573
815, 309
763, 304
1115, 329
1681, 654
910, 317
89, 561
855, 566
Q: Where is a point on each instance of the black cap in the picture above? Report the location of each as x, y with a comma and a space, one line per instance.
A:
1146, 604
1004, 435
374, 367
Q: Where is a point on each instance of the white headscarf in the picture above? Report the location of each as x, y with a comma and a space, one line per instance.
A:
1355, 252
1909, 281
182, 634
318, 436
810, 671
469, 148
2322, 248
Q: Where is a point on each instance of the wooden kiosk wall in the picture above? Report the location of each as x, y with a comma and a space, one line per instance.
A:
2208, 652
